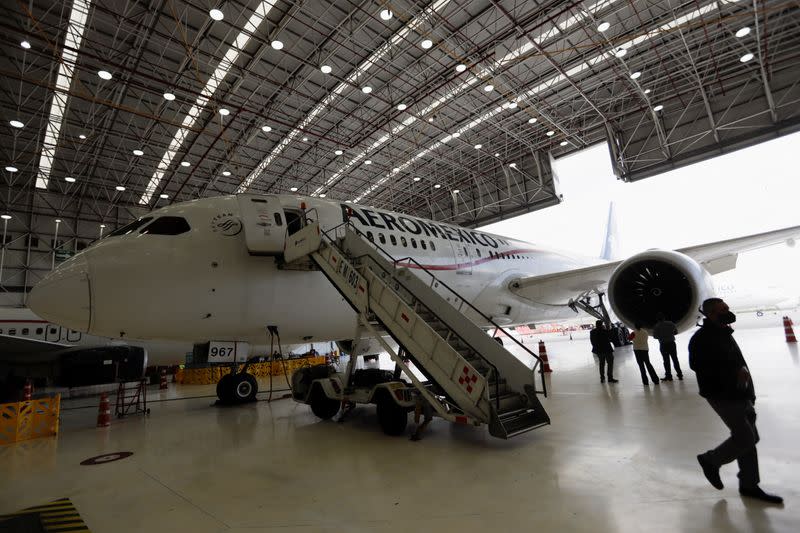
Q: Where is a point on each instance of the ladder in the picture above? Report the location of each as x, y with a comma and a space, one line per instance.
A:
476, 380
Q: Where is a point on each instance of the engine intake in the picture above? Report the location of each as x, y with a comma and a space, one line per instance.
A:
659, 281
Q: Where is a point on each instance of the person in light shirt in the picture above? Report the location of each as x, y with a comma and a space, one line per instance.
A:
641, 349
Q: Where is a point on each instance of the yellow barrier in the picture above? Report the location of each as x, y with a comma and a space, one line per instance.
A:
211, 375
29, 420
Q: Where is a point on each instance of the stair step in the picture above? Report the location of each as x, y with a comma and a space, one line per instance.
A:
524, 423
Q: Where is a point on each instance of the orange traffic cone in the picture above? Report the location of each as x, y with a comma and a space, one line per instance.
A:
787, 328
104, 412
27, 392
163, 384
543, 357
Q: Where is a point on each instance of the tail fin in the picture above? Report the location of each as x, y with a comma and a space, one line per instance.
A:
610, 249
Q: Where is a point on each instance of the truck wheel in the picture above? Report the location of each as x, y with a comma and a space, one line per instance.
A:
225, 388
392, 417
244, 388
322, 406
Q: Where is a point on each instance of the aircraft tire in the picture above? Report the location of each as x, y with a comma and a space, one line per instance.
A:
322, 406
391, 417
244, 388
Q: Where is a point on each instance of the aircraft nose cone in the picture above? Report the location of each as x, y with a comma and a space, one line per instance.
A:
62, 297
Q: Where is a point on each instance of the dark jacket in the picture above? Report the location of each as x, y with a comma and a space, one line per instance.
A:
601, 341
716, 359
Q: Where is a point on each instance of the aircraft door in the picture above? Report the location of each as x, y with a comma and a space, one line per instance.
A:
263, 223
73, 336
463, 258
52, 333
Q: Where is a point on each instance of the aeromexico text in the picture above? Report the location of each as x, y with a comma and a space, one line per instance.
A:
414, 226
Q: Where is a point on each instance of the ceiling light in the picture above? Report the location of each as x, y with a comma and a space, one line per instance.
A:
185, 163
456, 191
338, 152
563, 143
305, 139
25, 44
743, 32
416, 178
603, 26
368, 162
322, 195
5, 217
366, 89
102, 225
456, 135
164, 196
224, 112
326, 69
497, 154
402, 107
430, 119
266, 129
58, 221
82, 136
478, 146
512, 105
426, 43
636, 75
489, 88
659, 107
620, 52
104, 74
550, 133
276, 44
512, 165
647, 91
11, 169
386, 14
120, 188
226, 173
436, 186
396, 170
293, 189
461, 67
216, 14
16, 123
532, 120
69, 179
169, 96
745, 58
138, 152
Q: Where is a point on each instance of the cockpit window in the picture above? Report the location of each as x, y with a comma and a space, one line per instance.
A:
128, 228
167, 226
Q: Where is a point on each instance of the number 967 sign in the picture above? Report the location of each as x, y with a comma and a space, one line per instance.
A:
227, 351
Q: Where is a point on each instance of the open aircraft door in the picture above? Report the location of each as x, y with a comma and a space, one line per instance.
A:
263, 224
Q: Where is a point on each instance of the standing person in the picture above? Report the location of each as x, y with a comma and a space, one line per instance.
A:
641, 350
665, 332
725, 382
602, 347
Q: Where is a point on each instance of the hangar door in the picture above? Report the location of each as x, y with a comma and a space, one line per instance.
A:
264, 226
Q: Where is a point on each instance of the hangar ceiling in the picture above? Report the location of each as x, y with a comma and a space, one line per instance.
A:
449, 109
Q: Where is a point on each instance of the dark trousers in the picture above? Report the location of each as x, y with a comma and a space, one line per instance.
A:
668, 349
643, 360
740, 417
606, 359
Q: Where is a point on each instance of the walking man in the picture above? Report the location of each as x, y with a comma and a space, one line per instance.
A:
641, 349
665, 332
725, 382
604, 349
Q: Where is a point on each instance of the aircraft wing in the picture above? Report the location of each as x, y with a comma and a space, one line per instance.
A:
14, 347
561, 287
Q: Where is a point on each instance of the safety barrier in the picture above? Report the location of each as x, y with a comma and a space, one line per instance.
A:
211, 375
29, 419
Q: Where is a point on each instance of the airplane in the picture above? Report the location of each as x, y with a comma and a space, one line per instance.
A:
212, 270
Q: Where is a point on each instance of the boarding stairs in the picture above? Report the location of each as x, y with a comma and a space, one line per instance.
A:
476, 380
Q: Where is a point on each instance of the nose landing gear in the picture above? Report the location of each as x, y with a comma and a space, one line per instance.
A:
236, 388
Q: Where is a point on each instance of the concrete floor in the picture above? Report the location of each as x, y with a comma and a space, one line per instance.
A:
617, 458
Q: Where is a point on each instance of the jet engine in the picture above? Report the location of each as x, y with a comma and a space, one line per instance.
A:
659, 281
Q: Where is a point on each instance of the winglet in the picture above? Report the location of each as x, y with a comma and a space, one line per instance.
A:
610, 250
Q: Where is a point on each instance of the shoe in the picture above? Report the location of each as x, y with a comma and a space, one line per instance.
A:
646, 383
666, 378
612, 380
655, 381
602, 380
680, 377
415, 437
711, 472
758, 494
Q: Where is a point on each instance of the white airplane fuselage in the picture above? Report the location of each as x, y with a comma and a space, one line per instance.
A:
204, 284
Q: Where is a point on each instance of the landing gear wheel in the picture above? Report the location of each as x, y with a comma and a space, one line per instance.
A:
225, 388
322, 406
244, 388
392, 418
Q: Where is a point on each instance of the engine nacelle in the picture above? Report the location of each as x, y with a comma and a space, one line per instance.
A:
659, 281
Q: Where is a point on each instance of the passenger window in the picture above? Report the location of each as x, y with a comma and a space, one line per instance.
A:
478, 251
370, 236
25, 331
39, 331
422, 243
12, 332
381, 238
167, 226
403, 241
53, 331
278, 219
1, 331
413, 242
128, 228
394, 241
433, 246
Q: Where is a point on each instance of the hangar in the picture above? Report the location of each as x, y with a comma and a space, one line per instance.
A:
451, 111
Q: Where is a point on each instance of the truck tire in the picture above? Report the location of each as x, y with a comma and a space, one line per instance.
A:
225, 388
244, 388
392, 418
322, 406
